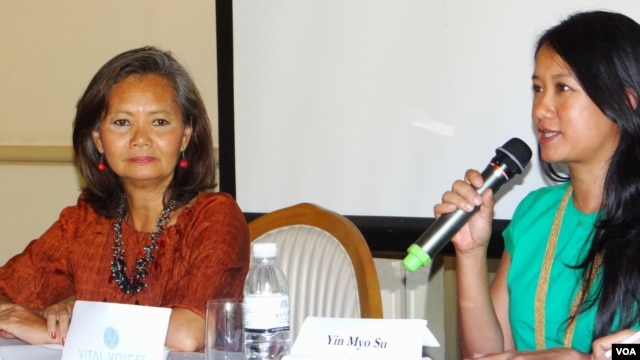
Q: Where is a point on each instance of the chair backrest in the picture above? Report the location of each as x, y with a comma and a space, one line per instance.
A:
327, 262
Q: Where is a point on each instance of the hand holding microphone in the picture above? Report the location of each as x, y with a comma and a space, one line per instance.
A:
477, 231
510, 159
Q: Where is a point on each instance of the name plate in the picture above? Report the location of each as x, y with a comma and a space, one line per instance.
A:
353, 339
109, 331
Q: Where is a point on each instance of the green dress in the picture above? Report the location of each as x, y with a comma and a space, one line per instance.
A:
526, 239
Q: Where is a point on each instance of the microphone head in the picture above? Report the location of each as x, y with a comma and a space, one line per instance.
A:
514, 154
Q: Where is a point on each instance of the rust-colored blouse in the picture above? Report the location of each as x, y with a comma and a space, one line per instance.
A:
204, 255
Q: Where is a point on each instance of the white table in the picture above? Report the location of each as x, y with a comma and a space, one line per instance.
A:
172, 355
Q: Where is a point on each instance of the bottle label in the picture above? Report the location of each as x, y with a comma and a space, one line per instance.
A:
266, 312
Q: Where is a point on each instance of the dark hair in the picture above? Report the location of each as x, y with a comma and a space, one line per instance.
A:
603, 51
103, 189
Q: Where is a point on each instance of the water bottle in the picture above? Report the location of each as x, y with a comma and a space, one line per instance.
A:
266, 306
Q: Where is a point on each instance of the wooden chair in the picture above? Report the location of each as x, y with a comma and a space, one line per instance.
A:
327, 262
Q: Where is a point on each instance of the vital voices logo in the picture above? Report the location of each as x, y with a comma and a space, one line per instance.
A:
111, 337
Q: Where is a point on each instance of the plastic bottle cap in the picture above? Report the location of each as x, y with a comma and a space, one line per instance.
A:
416, 258
264, 250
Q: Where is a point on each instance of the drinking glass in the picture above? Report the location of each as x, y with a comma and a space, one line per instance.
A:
224, 330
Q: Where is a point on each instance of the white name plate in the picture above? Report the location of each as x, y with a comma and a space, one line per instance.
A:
109, 331
353, 339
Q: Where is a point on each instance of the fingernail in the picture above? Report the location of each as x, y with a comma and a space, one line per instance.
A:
53, 335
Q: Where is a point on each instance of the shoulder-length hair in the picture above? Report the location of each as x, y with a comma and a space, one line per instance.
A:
603, 51
102, 189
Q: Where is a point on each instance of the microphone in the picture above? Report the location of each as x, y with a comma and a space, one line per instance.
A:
510, 159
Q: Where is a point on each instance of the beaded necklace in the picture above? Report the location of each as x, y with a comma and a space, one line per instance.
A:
135, 283
543, 282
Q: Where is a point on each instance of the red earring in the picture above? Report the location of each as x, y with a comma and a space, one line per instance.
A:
101, 165
183, 163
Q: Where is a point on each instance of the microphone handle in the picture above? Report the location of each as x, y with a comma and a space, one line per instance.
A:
436, 237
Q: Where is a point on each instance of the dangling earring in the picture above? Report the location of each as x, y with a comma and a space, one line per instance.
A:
101, 165
183, 162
